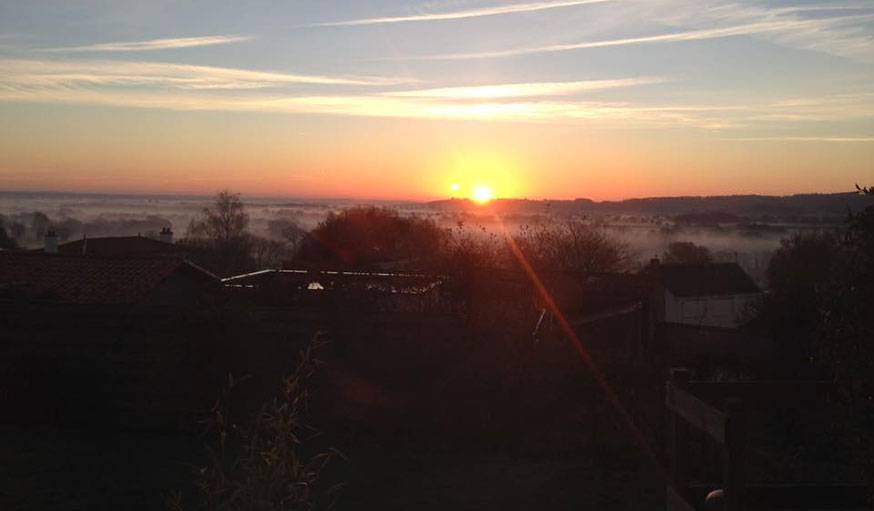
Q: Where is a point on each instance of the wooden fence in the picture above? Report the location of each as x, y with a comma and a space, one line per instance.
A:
689, 405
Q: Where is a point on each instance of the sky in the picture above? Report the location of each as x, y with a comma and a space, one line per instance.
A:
409, 99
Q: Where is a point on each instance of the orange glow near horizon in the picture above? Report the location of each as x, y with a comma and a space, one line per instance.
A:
173, 153
479, 174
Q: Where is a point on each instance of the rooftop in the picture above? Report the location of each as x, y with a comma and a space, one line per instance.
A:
303, 279
118, 246
89, 280
708, 279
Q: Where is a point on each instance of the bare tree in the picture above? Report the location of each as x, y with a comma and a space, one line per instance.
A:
218, 237
687, 252
572, 246
224, 222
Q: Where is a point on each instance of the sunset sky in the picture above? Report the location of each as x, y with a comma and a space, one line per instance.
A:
605, 99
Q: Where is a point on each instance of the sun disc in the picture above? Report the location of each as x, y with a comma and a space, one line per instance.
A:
482, 194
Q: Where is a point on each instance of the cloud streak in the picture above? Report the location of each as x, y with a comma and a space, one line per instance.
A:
774, 26
598, 114
839, 140
153, 44
463, 14
23, 74
203, 88
526, 90
378, 106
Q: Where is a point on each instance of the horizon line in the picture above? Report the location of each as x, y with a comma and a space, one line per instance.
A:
423, 200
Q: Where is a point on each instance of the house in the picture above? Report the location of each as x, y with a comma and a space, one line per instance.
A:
93, 280
116, 246
95, 340
709, 294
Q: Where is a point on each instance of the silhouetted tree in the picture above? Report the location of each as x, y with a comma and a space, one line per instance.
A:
39, 224
287, 230
687, 252
796, 274
66, 227
571, 246
5, 241
267, 253
218, 237
17, 230
224, 222
370, 237
846, 328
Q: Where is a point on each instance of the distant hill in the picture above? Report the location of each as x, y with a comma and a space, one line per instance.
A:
724, 208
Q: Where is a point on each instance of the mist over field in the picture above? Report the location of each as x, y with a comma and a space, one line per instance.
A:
732, 229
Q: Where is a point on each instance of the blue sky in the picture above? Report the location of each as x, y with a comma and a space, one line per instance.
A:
739, 96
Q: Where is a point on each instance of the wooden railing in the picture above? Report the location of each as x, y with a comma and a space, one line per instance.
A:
689, 405
726, 428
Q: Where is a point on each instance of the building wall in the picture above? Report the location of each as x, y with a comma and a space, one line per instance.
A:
719, 311
94, 365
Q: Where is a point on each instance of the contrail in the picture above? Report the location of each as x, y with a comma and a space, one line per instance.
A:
154, 44
456, 15
691, 35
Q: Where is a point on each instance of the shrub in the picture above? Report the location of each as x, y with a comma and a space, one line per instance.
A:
265, 463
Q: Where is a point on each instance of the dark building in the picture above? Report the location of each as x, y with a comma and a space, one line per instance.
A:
100, 340
97, 280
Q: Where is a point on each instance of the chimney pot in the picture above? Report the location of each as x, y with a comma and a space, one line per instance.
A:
166, 235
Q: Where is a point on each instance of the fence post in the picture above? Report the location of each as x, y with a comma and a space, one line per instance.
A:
679, 433
735, 449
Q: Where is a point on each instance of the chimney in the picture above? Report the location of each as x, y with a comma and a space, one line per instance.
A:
166, 235
51, 242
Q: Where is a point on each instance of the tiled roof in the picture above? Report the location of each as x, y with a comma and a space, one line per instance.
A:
88, 280
710, 279
119, 246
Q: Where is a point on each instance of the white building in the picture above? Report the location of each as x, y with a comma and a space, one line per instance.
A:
710, 294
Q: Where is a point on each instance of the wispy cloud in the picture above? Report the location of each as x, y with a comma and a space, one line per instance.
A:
598, 114
177, 87
605, 113
187, 88
41, 74
689, 35
153, 44
526, 90
455, 15
839, 140
845, 35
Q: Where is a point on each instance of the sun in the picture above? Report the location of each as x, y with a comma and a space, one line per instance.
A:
482, 194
